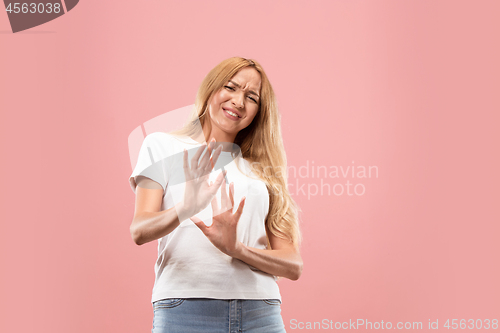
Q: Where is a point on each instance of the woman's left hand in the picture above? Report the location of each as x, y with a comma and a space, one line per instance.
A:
222, 232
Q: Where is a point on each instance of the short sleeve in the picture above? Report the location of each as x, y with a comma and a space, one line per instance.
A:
151, 162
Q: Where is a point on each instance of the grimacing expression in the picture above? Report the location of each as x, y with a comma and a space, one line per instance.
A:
235, 105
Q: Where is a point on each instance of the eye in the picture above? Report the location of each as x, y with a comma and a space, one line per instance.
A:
230, 88
253, 99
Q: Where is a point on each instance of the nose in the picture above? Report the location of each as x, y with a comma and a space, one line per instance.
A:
238, 100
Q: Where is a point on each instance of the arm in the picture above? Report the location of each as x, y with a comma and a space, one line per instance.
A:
149, 223
283, 260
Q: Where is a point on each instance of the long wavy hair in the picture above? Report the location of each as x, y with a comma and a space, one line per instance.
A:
261, 144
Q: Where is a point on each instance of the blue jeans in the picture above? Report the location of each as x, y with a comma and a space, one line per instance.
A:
205, 315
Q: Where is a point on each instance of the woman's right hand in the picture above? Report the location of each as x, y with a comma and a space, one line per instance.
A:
198, 192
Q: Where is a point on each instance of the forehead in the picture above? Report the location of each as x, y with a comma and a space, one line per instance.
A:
248, 77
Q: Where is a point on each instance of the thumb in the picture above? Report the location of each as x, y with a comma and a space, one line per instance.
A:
217, 184
200, 224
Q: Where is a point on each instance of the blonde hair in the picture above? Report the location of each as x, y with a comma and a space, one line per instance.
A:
260, 143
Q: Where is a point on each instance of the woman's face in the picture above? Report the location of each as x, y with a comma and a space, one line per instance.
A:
235, 105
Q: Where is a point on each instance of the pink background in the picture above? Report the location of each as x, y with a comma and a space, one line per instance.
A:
408, 86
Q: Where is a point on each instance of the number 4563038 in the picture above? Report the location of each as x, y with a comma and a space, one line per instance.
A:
33, 8
472, 324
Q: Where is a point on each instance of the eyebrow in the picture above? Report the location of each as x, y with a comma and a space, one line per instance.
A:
250, 91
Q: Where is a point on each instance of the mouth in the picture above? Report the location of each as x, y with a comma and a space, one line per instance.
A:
232, 112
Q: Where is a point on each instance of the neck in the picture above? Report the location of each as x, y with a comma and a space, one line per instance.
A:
218, 135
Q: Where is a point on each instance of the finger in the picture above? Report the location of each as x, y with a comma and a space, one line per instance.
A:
187, 174
196, 157
238, 213
212, 144
224, 202
215, 206
231, 195
205, 160
218, 183
216, 155
213, 158
206, 165
200, 224
195, 219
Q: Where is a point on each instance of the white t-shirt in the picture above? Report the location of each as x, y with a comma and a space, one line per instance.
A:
188, 264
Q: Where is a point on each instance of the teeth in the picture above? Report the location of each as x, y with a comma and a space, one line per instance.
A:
232, 113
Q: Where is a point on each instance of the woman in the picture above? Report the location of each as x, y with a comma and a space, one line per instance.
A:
217, 269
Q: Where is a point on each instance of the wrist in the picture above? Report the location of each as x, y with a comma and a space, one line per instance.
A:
239, 251
184, 212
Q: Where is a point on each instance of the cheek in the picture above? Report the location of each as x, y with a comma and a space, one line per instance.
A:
222, 96
215, 104
255, 111
250, 119
217, 97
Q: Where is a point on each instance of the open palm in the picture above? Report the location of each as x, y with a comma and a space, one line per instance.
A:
198, 192
222, 232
